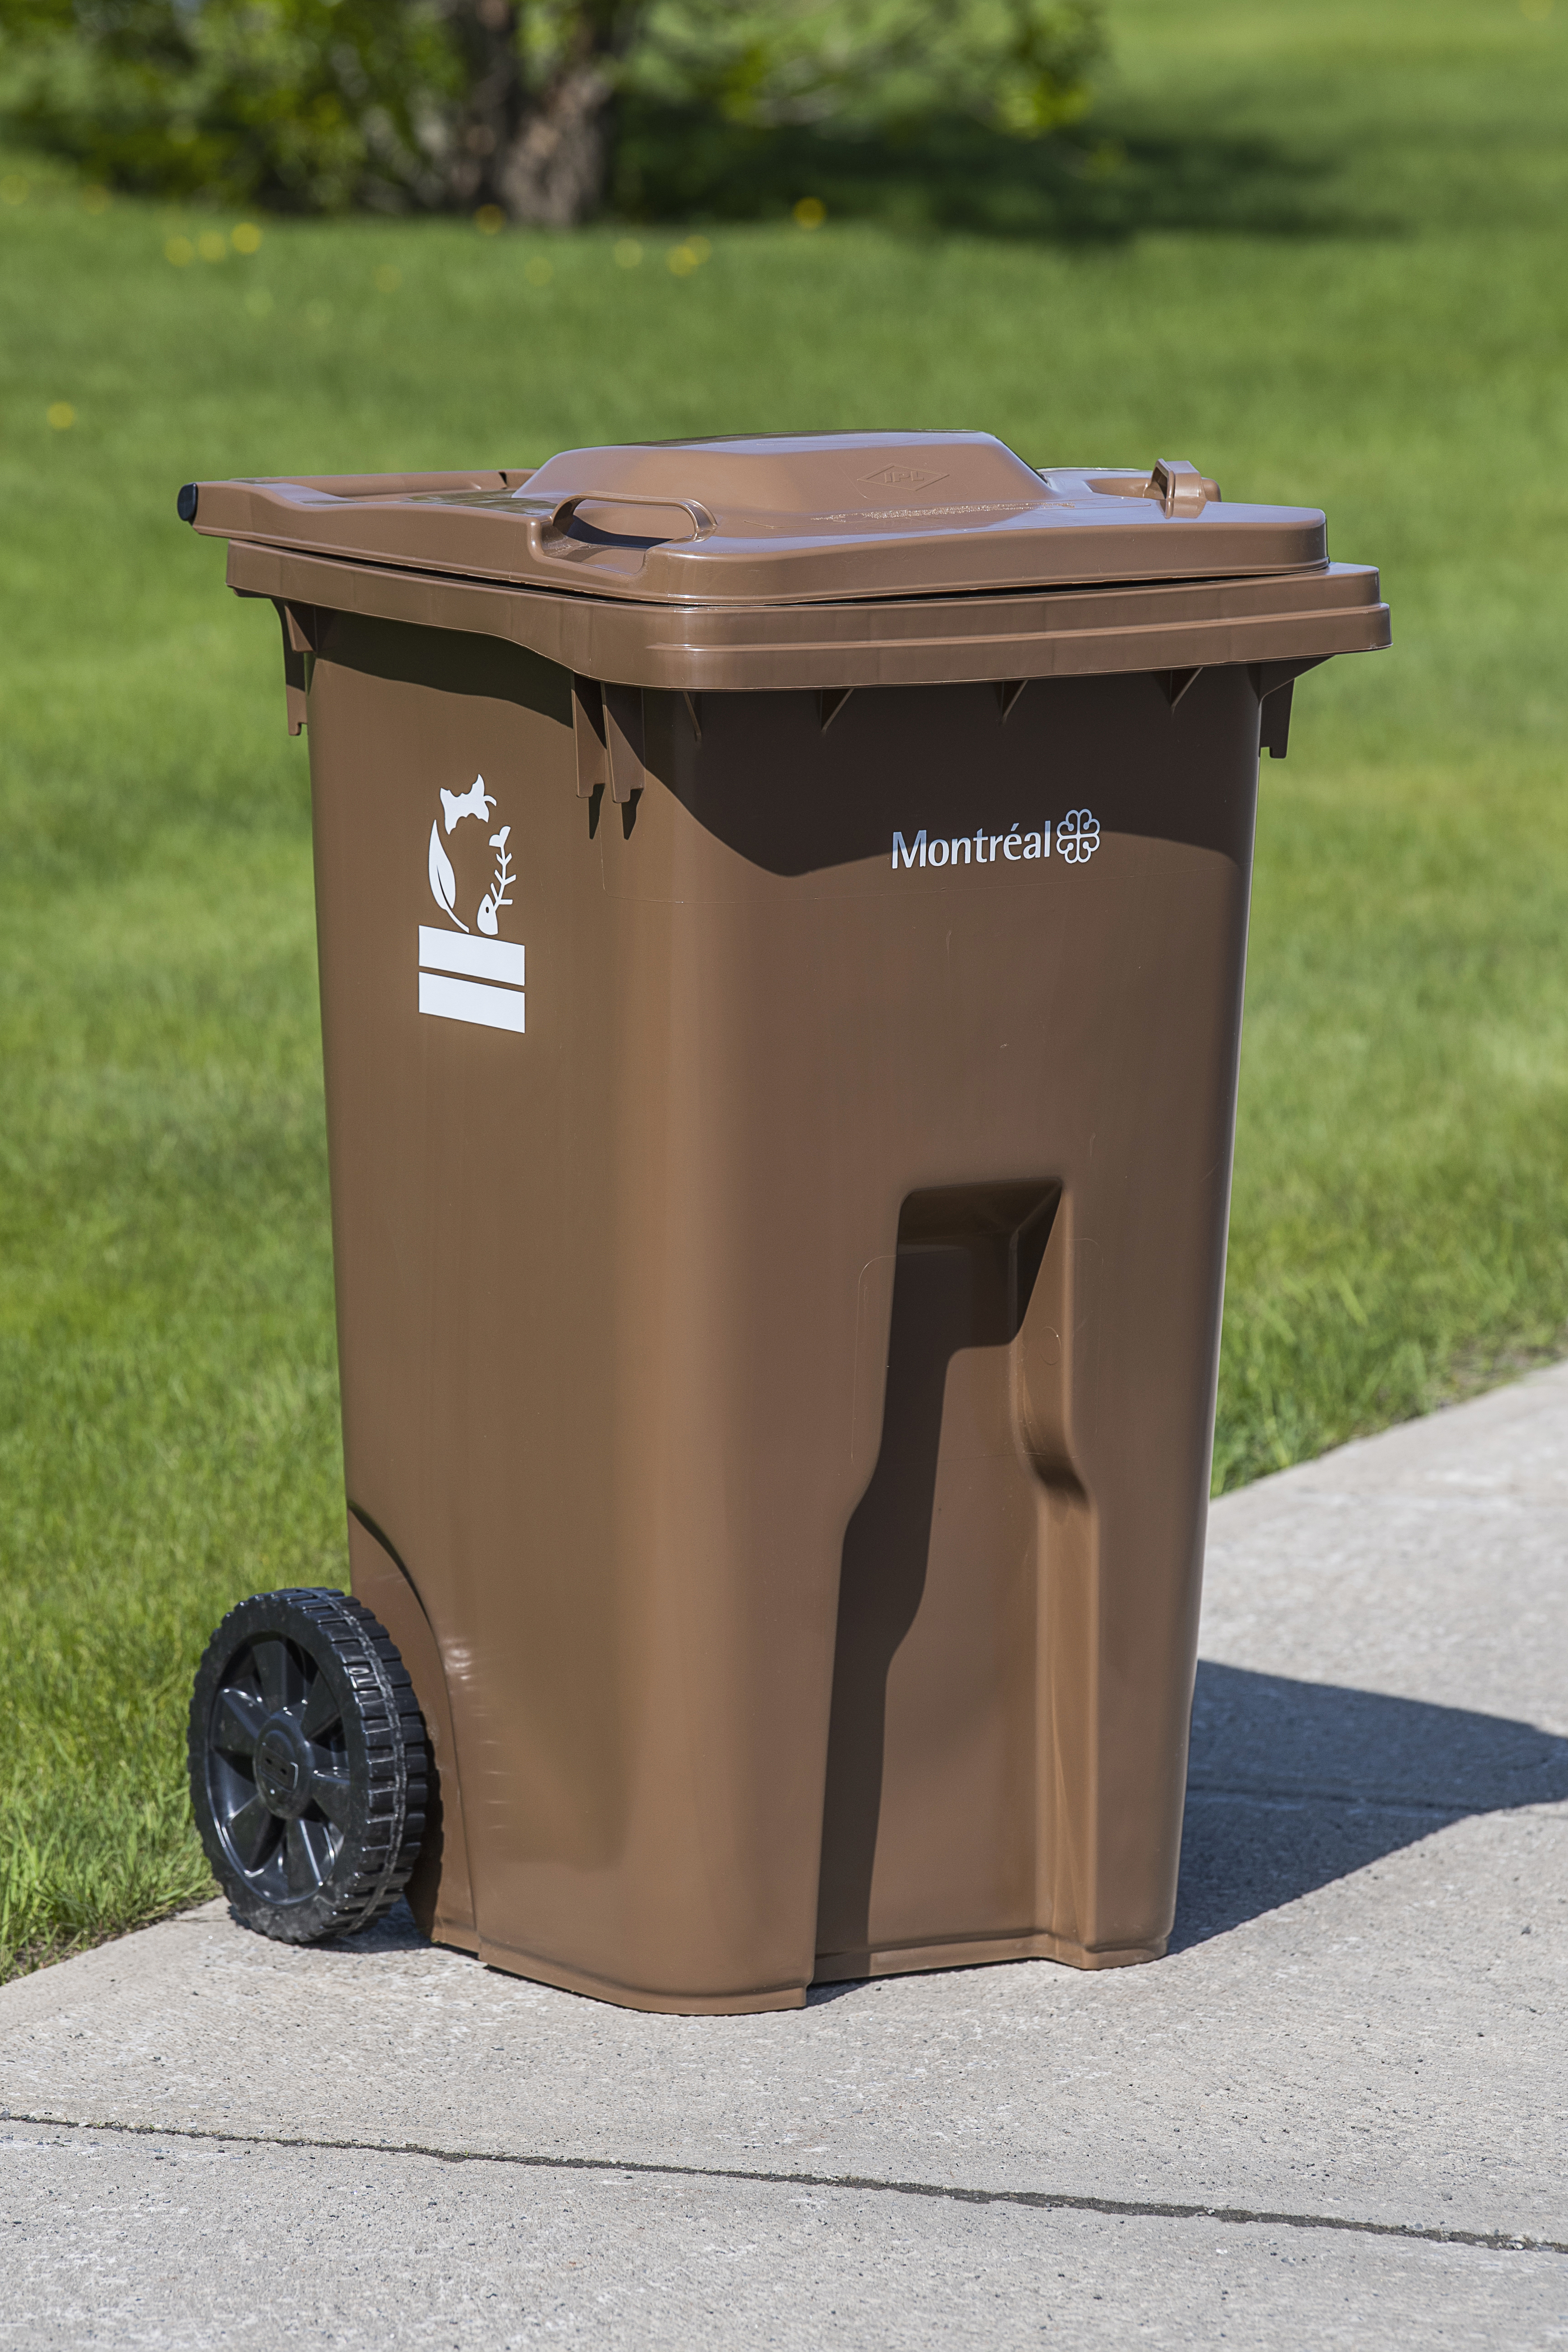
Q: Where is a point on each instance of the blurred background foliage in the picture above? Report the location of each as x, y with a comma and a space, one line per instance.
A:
545, 109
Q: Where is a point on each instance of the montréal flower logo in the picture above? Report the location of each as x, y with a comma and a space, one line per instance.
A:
1077, 837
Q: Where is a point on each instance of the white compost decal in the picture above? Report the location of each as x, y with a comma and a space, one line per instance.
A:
465, 977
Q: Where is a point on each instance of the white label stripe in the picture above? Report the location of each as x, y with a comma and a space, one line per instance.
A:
468, 1000
479, 958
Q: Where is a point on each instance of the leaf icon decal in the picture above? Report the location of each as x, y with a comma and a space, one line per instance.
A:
443, 881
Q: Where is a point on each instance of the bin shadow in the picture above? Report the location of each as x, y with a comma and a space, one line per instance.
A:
397, 1931
1291, 1785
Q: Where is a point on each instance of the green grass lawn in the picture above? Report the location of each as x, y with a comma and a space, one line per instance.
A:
1316, 248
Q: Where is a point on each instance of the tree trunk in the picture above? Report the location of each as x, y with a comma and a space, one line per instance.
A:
542, 154
555, 171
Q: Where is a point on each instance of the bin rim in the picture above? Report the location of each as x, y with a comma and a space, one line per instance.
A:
1299, 619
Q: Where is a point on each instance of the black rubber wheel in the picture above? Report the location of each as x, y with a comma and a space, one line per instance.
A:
309, 1766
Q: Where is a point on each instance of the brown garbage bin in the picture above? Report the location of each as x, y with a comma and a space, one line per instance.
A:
783, 905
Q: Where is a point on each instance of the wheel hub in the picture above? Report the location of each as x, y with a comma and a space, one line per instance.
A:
284, 1767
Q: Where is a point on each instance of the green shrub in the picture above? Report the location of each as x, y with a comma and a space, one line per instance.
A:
309, 105
317, 105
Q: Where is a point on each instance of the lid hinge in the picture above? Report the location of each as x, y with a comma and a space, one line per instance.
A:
1272, 682
1274, 722
588, 727
624, 741
302, 625
607, 725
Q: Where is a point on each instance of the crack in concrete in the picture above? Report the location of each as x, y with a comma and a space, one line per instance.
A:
1048, 2200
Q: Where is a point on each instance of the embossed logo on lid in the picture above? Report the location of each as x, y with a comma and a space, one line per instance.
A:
902, 478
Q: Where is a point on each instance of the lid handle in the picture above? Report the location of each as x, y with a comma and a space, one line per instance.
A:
1180, 488
703, 522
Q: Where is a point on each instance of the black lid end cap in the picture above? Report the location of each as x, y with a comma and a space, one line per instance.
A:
186, 501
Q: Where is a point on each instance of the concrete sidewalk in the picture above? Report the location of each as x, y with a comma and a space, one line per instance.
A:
1334, 2116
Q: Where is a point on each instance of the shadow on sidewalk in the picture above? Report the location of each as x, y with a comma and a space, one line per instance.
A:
1291, 1785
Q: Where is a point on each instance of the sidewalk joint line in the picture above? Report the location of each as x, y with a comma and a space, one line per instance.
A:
1048, 2200
1457, 1810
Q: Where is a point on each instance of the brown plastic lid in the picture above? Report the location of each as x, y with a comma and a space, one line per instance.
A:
781, 519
